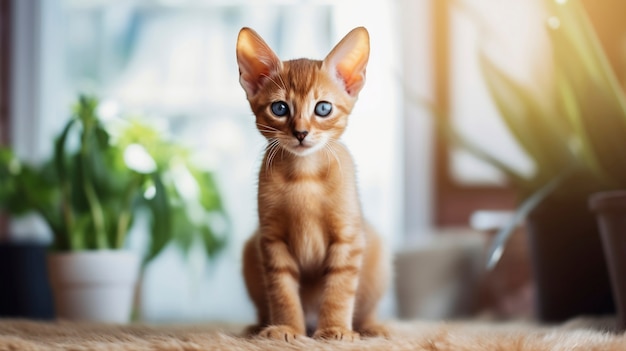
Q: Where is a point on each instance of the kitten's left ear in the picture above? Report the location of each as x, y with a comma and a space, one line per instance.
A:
348, 59
256, 61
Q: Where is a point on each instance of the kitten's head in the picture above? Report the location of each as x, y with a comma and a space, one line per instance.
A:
302, 104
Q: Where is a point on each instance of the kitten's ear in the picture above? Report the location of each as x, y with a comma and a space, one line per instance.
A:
256, 60
348, 59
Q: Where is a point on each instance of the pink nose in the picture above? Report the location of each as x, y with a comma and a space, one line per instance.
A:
300, 135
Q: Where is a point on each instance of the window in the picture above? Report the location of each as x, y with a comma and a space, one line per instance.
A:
5, 82
510, 32
173, 63
5, 69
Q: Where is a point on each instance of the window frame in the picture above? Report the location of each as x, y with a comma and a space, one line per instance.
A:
5, 70
454, 203
5, 87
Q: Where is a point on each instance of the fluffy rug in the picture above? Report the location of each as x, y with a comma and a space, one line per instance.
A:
576, 335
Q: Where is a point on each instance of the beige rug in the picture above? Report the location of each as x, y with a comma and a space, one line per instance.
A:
432, 336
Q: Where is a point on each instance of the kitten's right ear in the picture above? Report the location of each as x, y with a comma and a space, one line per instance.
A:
256, 61
348, 59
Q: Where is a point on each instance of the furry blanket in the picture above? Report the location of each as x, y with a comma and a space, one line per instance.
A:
576, 335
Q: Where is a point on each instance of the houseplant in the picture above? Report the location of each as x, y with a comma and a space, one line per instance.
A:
595, 104
598, 108
91, 194
571, 130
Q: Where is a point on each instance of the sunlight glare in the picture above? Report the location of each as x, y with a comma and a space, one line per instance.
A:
554, 22
138, 159
185, 183
108, 109
150, 193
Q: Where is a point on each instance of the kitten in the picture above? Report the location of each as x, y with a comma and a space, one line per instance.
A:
313, 253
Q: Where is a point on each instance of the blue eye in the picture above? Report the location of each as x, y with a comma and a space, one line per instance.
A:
323, 108
280, 108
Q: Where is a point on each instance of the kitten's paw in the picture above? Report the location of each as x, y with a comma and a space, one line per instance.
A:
375, 330
281, 332
252, 330
336, 333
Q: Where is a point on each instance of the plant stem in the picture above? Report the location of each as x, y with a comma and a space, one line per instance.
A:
97, 214
66, 193
122, 228
67, 213
95, 207
126, 214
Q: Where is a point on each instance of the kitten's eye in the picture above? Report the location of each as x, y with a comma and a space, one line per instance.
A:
280, 108
323, 108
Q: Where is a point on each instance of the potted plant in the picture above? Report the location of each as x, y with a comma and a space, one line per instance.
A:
594, 103
598, 108
90, 195
610, 209
571, 130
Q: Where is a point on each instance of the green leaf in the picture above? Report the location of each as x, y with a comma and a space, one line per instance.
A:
161, 219
185, 229
209, 196
89, 196
63, 239
541, 132
585, 47
590, 94
212, 243
497, 248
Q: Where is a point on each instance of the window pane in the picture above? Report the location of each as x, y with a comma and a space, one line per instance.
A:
173, 63
507, 31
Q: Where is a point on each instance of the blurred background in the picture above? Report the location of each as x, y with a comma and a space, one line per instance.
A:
171, 64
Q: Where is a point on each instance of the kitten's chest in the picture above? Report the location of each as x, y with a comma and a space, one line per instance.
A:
308, 202
309, 247
308, 222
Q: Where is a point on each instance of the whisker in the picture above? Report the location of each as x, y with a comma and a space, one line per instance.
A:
272, 149
266, 126
273, 132
331, 144
282, 152
268, 161
275, 152
283, 82
273, 81
268, 131
270, 143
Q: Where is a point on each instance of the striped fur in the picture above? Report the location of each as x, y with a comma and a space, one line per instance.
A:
313, 254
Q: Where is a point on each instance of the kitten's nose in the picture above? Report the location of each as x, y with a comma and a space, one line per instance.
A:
300, 135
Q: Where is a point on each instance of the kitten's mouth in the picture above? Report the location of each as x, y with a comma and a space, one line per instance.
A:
304, 145
303, 148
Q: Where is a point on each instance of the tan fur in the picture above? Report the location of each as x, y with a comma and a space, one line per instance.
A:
414, 336
313, 253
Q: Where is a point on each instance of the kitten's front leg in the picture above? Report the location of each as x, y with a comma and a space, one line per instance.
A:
282, 284
343, 264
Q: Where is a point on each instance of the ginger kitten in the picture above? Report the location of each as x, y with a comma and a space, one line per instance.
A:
313, 253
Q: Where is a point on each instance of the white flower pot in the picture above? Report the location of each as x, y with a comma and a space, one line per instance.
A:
94, 285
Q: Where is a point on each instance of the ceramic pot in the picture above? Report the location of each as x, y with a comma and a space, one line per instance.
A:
610, 209
94, 285
438, 278
571, 276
